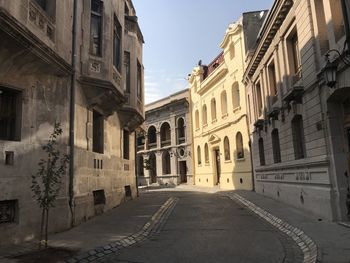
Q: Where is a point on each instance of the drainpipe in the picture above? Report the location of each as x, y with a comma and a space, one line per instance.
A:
72, 114
136, 164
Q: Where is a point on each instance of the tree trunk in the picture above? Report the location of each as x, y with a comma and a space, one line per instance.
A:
46, 227
42, 228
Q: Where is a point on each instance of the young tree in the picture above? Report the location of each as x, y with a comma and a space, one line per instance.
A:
47, 181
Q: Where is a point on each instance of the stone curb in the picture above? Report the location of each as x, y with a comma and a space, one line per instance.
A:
150, 228
305, 243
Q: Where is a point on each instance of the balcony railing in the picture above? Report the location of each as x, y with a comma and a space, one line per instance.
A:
181, 140
152, 145
166, 143
140, 147
214, 64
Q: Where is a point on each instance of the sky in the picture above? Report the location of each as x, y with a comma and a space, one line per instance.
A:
179, 33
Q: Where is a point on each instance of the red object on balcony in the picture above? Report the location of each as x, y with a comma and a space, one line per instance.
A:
214, 64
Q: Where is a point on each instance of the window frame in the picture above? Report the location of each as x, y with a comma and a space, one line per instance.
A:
227, 150
16, 107
99, 16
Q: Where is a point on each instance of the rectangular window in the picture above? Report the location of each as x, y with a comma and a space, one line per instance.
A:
117, 44
127, 81
99, 197
337, 19
126, 145
96, 27
272, 81
139, 80
259, 98
98, 133
298, 137
8, 211
294, 56
10, 111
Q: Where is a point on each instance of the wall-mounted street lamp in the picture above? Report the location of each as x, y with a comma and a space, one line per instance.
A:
330, 69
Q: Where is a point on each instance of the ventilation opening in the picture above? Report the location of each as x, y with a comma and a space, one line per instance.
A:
99, 197
207, 180
8, 212
278, 193
302, 199
9, 158
199, 180
241, 180
128, 194
228, 180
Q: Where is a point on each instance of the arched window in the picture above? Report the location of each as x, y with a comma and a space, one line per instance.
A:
166, 163
239, 145
227, 149
152, 137
181, 137
276, 146
199, 159
235, 96
196, 118
206, 153
204, 115
165, 134
213, 110
261, 151
298, 137
223, 103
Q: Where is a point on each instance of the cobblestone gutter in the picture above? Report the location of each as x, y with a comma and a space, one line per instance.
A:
305, 243
150, 228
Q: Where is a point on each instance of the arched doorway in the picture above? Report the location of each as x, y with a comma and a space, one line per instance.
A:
153, 168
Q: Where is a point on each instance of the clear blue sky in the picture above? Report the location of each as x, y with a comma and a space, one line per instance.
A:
178, 33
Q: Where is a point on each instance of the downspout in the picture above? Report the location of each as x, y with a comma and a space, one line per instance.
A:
136, 164
72, 114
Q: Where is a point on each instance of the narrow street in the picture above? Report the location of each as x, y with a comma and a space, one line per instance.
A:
207, 227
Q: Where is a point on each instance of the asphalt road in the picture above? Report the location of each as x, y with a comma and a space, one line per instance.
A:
211, 228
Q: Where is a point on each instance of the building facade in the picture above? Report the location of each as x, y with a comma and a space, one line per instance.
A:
39, 85
164, 149
298, 125
219, 111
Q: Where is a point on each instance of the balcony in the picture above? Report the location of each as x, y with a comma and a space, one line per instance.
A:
103, 94
17, 37
131, 113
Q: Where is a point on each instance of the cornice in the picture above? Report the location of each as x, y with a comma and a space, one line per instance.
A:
273, 22
233, 29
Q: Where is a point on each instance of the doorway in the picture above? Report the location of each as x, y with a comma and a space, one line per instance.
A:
153, 168
183, 172
217, 166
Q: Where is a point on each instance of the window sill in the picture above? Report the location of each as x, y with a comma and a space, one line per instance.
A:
197, 130
228, 161
240, 160
205, 126
224, 116
237, 109
214, 121
207, 164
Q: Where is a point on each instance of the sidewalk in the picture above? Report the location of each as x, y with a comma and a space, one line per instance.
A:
118, 223
332, 239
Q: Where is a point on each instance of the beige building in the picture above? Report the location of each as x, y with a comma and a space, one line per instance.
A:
166, 143
298, 125
44, 74
221, 154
